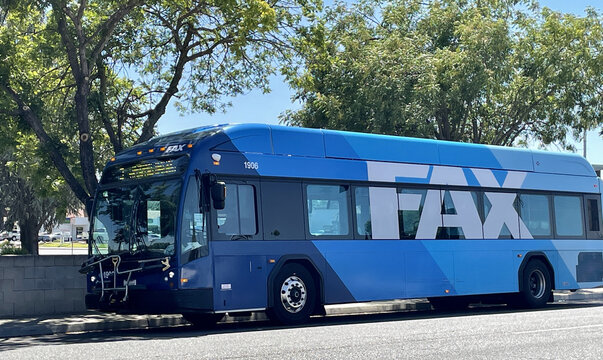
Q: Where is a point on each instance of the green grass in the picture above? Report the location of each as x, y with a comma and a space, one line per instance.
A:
12, 251
63, 245
6, 248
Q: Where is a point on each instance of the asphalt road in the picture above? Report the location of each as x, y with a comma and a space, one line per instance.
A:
573, 331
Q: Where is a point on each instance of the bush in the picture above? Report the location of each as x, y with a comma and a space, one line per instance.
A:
6, 248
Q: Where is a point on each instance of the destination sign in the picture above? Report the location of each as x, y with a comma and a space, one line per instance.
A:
145, 169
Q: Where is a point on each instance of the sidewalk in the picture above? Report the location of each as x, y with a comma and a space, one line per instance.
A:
96, 321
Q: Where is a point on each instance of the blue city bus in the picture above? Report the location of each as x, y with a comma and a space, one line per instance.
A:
255, 217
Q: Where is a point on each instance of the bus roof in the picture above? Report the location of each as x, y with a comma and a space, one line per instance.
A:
295, 141
318, 143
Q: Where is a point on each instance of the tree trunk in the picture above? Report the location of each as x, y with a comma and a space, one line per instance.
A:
86, 150
29, 236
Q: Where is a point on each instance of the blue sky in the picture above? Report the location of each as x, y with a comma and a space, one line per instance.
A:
257, 107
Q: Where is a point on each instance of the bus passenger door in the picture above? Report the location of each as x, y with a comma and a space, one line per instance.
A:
239, 266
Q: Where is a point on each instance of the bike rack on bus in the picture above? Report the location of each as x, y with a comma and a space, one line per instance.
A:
116, 261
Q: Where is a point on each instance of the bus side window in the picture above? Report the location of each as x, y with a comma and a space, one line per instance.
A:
461, 217
593, 217
505, 224
535, 212
568, 216
238, 218
328, 210
363, 213
410, 209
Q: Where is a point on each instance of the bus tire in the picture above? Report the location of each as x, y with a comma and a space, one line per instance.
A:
294, 295
202, 321
536, 285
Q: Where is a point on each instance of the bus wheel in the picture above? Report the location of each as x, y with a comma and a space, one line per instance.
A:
536, 287
294, 295
203, 321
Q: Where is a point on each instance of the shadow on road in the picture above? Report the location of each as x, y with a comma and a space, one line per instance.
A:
184, 331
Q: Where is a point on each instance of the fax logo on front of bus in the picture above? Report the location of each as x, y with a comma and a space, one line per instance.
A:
174, 148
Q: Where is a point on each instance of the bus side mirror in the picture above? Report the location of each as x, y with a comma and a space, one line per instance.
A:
218, 195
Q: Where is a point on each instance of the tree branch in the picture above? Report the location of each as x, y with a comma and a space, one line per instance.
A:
168, 25
209, 50
102, 76
66, 39
36, 125
159, 109
107, 28
80, 11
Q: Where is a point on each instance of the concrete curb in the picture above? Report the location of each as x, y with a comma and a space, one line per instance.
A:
96, 321
378, 307
584, 294
89, 321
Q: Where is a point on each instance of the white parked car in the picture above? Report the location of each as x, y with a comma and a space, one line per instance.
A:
57, 236
44, 237
10, 235
83, 236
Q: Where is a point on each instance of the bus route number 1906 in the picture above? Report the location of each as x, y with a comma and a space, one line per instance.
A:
253, 165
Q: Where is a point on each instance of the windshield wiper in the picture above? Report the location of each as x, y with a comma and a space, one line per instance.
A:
137, 236
98, 252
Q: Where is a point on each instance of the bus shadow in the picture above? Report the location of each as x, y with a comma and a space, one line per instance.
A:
184, 331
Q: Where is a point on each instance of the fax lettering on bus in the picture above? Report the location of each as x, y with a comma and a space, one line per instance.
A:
174, 148
251, 165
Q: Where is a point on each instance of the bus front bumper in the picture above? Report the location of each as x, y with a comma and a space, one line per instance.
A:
153, 301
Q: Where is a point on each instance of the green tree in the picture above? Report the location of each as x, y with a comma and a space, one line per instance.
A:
91, 77
31, 194
483, 71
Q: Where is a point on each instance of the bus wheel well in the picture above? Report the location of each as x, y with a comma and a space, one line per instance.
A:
536, 256
318, 281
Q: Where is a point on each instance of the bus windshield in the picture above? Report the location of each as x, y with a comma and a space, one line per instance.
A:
138, 219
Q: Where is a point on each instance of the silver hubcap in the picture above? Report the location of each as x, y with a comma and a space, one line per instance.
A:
293, 294
537, 284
